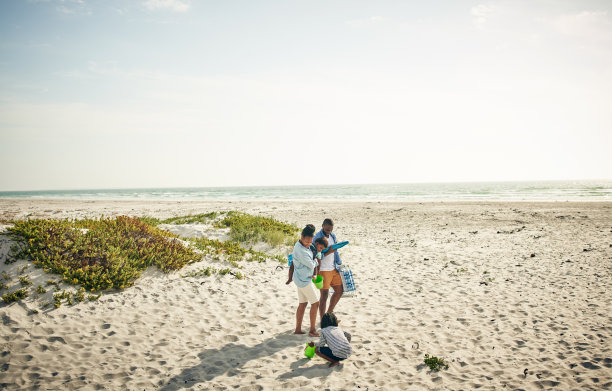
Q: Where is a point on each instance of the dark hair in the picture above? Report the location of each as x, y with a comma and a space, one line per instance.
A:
329, 319
322, 241
308, 230
328, 221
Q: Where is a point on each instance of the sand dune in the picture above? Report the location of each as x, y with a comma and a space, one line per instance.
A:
512, 296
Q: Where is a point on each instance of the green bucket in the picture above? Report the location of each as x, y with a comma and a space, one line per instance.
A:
309, 351
318, 281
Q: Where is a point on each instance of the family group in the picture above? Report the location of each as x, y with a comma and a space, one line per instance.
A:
314, 256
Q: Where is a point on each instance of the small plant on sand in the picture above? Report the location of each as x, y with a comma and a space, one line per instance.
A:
461, 270
6, 276
25, 281
58, 297
79, 296
40, 289
93, 297
224, 271
15, 296
3, 285
434, 363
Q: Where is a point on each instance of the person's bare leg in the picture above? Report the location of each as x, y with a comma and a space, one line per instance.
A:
314, 307
332, 363
299, 315
323, 301
335, 297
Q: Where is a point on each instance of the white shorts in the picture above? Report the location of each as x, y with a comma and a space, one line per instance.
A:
307, 294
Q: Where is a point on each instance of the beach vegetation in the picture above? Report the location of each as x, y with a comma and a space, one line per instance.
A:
434, 363
91, 297
40, 289
15, 296
6, 276
248, 228
229, 251
25, 281
3, 285
79, 295
209, 271
99, 254
189, 219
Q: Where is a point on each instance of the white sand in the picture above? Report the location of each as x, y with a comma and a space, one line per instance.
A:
420, 271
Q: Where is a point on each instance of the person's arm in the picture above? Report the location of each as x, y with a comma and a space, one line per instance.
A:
322, 341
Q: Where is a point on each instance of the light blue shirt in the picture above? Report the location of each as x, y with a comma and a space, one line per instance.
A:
303, 265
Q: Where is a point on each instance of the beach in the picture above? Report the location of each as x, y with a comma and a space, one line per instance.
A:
510, 295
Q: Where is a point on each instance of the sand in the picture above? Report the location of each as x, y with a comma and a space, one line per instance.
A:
512, 296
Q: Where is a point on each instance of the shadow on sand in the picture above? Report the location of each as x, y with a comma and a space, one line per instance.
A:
216, 362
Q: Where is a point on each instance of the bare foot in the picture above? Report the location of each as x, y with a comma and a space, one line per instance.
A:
298, 332
313, 334
333, 364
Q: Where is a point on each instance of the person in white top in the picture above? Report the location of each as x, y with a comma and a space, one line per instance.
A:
329, 266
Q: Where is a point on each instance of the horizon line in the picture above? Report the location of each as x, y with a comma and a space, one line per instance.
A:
306, 185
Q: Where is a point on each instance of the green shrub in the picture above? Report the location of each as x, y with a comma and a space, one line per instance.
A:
109, 253
434, 363
247, 228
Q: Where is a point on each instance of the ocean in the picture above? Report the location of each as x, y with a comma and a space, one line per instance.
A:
417, 192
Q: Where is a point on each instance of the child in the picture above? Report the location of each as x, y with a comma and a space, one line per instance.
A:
319, 245
338, 341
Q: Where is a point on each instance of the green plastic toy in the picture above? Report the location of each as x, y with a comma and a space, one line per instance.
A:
309, 351
318, 281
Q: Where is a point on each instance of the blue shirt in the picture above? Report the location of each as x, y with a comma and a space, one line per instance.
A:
337, 260
303, 265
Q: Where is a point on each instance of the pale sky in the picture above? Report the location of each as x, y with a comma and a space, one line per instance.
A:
190, 93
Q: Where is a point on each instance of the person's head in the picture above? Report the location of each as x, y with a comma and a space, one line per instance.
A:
320, 244
328, 226
329, 319
307, 235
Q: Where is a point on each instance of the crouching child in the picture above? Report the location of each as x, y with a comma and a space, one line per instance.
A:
338, 342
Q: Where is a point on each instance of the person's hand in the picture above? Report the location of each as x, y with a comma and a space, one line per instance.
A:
330, 251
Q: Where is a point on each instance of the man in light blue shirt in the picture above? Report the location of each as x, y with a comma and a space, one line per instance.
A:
304, 271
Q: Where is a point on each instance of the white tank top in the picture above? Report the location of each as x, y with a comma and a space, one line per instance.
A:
327, 263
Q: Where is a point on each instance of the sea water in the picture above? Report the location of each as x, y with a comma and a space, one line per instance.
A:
416, 192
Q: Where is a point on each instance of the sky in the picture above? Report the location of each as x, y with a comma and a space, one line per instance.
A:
200, 93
